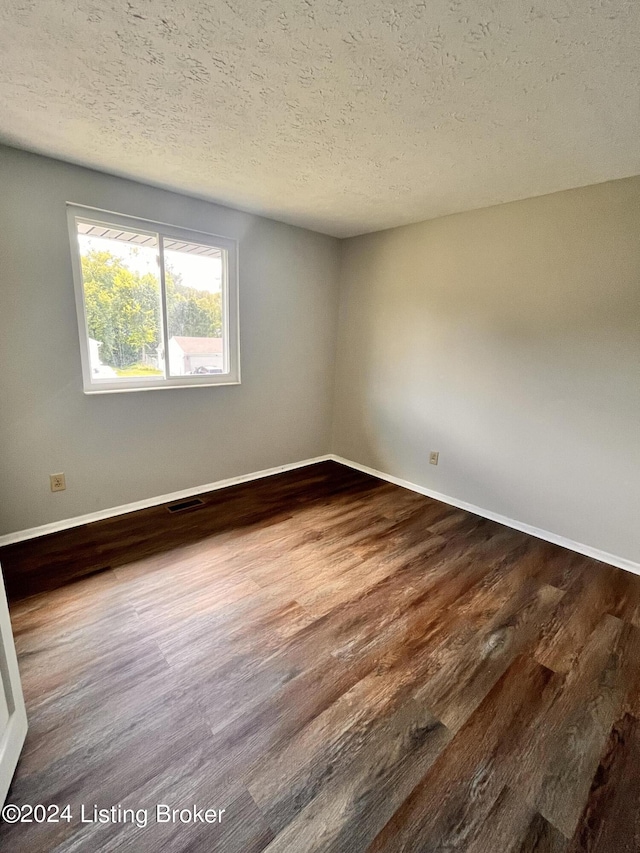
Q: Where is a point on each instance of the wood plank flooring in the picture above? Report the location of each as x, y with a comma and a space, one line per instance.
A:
340, 664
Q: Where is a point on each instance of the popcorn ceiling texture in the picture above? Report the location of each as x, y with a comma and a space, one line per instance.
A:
344, 117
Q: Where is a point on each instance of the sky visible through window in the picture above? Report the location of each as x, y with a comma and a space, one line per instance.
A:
201, 273
121, 281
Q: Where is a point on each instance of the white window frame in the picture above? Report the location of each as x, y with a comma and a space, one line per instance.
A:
230, 299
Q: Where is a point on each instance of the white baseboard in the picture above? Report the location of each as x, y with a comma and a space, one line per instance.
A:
586, 550
77, 521
67, 523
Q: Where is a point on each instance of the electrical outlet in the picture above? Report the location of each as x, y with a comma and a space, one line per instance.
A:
58, 483
433, 457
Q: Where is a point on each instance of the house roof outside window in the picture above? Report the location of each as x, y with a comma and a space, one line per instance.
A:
198, 346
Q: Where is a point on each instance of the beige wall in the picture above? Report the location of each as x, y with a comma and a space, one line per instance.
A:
119, 448
509, 340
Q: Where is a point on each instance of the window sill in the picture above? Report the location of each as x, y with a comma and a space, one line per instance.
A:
92, 391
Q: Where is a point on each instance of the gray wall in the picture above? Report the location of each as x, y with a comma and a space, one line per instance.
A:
118, 448
509, 340
506, 338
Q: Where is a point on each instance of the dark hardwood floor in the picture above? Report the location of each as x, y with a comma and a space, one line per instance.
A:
340, 664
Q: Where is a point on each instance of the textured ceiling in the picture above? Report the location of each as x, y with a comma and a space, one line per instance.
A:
345, 117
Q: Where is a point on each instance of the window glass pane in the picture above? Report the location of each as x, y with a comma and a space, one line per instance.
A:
195, 311
121, 282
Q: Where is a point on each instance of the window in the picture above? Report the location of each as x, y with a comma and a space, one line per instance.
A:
157, 305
